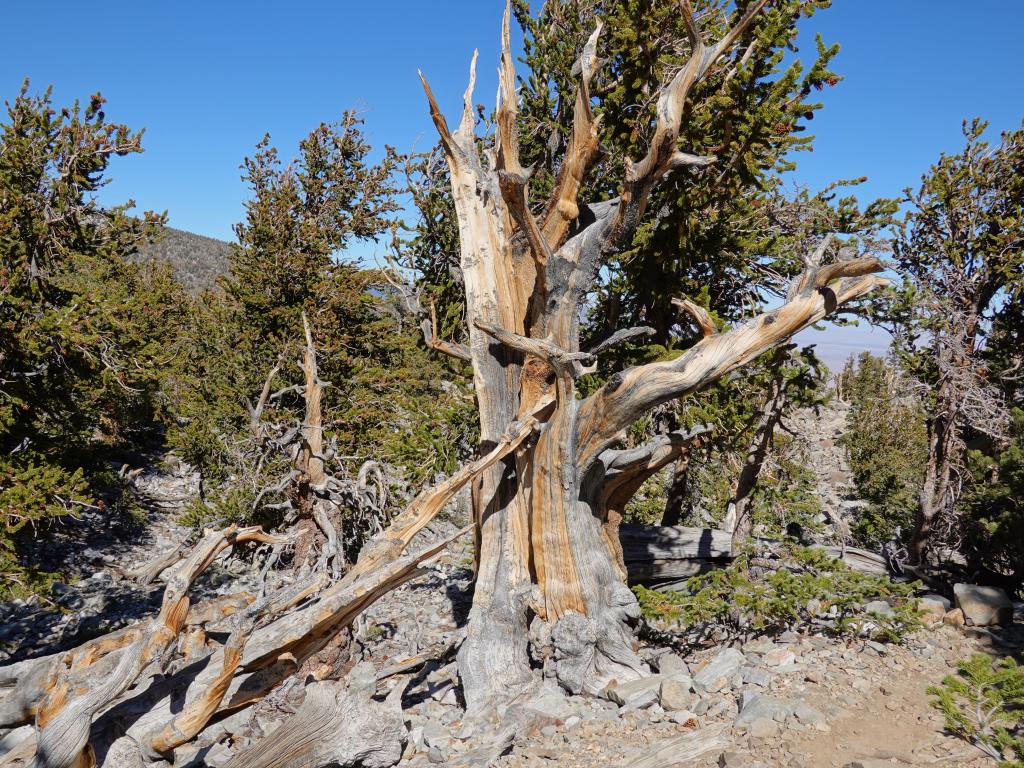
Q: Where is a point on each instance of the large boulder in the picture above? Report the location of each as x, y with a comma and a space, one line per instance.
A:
983, 606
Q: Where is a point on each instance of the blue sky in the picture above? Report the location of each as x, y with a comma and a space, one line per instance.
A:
207, 79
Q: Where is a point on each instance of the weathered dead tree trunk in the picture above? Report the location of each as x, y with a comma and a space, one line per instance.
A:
90, 691
549, 564
739, 519
665, 556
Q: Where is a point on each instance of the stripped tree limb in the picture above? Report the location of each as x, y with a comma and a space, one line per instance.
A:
256, 411
431, 501
583, 150
619, 336
632, 393
700, 316
64, 719
433, 340
663, 154
564, 364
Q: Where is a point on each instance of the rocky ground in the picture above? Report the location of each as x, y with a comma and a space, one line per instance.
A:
796, 700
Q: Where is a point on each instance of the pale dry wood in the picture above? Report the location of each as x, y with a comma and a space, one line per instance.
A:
653, 554
582, 152
632, 393
432, 338
700, 316
431, 501
337, 725
311, 461
663, 154
619, 336
65, 717
683, 750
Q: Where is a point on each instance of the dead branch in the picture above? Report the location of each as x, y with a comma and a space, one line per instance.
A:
631, 393
431, 501
663, 154
564, 364
433, 340
619, 336
583, 150
700, 315
65, 717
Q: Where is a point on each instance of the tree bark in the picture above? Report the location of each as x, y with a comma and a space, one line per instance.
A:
739, 516
678, 489
549, 564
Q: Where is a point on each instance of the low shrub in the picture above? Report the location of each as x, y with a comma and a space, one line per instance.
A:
984, 704
787, 587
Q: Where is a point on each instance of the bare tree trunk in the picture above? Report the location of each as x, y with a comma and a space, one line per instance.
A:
678, 489
934, 496
548, 484
546, 517
739, 518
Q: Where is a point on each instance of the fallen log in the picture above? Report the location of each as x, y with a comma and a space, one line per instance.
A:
663, 556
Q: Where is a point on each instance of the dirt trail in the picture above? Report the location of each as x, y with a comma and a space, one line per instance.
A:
892, 724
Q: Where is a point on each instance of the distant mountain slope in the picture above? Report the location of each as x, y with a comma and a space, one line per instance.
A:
197, 260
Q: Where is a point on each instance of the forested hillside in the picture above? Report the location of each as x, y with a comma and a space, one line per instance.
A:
553, 482
197, 261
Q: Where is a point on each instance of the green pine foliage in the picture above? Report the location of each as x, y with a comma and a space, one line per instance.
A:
887, 446
385, 400
993, 518
83, 328
984, 704
790, 588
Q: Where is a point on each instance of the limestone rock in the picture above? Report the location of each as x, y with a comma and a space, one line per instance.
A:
719, 671
933, 608
983, 606
675, 693
954, 618
636, 694
879, 608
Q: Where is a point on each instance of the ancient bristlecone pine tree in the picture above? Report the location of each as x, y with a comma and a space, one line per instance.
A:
549, 572
548, 486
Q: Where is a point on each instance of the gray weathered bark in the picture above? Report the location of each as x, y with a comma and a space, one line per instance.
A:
546, 517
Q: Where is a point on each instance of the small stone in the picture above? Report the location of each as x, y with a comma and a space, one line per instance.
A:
735, 760
675, 694
762, 728
879, 608
684, 718
954, 618
636, 694
755, 676
983, 606
548, 731
717, 674
435, 756
778, 657
572, 722
932, 609
672, 665
807, 714
435, 734
758, 706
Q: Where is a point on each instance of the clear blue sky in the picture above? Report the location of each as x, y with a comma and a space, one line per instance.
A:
207, 79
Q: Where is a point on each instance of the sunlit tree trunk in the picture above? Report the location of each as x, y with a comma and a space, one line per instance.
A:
549, 563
